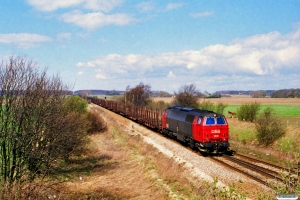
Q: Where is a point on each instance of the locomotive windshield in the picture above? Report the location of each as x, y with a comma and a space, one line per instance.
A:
213, 121
210, 121
221, 120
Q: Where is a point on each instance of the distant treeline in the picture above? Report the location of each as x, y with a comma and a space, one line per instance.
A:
286, 93
99, 92
245, 92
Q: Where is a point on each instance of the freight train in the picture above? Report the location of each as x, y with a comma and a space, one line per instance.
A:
204, 130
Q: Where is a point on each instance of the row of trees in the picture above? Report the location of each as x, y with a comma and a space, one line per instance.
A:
286, 93
39, 123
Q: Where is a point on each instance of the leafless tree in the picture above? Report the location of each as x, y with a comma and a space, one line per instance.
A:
139, 95
35, 129
186, 96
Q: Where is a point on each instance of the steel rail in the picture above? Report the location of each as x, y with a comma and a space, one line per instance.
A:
270, 164
241, 171
254, 167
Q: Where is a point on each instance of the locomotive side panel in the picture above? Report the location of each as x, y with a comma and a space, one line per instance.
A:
179, 123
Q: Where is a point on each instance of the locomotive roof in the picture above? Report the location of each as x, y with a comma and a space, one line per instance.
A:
194, 111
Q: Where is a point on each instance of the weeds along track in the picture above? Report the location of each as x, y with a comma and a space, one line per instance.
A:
264, 163
258, 170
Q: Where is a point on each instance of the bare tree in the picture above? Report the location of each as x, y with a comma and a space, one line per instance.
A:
139, 95
35, 128
186, 96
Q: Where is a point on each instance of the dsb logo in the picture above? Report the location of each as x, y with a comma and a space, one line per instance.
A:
215, 131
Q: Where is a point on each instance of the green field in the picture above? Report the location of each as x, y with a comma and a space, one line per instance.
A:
283, 111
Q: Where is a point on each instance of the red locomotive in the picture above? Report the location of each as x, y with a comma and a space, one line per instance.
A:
206, 130
201, 129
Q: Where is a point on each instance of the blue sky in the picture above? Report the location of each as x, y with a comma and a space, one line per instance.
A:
110, 44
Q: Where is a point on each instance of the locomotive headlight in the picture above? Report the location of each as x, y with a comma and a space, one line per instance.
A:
215, 115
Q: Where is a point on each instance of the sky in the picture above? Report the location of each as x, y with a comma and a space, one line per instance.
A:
111, 44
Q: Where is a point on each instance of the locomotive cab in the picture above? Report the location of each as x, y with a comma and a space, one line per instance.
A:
212, 134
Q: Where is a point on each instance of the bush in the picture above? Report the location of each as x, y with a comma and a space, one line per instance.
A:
269, 129
220, 107
248, 111
76, 104
206, 105
95, 123
160, 105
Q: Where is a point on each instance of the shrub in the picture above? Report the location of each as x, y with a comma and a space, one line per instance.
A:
161, 105
248, 111
206, 105
269, 129
220, 107
76, 104
95, 123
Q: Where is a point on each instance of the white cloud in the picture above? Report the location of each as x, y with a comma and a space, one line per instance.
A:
24, 40
88, 64
80, 73
52, 5
100, 76
102, 5
96, 5
202, 14
172, 6
64, 36
171, 75
96, 19
80, 64
145, 6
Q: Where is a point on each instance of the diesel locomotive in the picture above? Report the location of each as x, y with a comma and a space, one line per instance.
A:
203, 129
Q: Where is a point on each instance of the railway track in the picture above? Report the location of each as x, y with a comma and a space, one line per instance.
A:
280, 168
258, 170
240, 170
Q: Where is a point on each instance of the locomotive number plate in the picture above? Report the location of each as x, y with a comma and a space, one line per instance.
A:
215, 131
